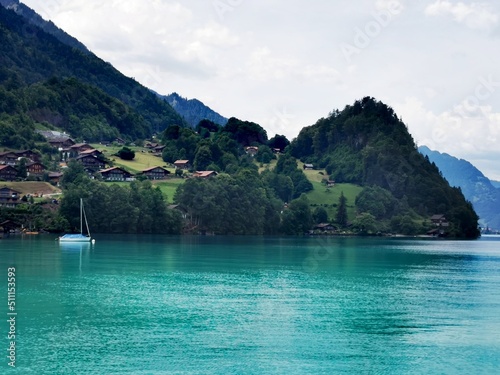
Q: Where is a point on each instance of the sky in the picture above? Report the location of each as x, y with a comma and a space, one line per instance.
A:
284, 64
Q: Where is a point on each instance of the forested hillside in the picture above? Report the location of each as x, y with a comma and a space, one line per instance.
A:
476, 187
35, 57
367, 144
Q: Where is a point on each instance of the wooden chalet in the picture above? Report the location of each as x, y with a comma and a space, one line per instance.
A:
8, 173
9, 197
91, 162
182, 164
35, 169
204, 174
55, 178
28, 154
91, 151
116, 174
156, 173
439, 221
8, 158
61, 142
308, 167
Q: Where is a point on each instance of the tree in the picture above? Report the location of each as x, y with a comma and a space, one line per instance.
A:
341, 215
320, 215
126, 154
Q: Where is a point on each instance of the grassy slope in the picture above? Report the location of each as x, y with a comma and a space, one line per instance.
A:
32, 187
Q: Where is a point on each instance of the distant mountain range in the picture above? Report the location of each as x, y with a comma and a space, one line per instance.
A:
193, 111
476, 187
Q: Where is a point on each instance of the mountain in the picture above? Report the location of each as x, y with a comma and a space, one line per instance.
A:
368, 145
34, 19
31, 56
193, 111
476, 187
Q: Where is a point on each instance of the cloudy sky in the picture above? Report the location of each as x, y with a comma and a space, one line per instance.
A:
286, 63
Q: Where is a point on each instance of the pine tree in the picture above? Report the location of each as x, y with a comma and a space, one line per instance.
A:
342, 211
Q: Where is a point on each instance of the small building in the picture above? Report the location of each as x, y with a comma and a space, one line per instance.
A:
204, 174
116, 174
182, 164
91, 151
151, 145
156, 173
330, 183
308, 166
324, 227
91, 162
55, 178
439, 221
28, 154
61, 142
251, 150
158, 149
8, 173
277, 150
9, 197
35, 169
8, 158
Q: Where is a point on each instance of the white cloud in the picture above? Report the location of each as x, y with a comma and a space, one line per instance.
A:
474, 15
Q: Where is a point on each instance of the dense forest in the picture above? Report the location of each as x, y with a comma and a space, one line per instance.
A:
30, 56
367, 144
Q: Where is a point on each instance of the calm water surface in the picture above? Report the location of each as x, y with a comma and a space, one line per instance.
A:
218, 305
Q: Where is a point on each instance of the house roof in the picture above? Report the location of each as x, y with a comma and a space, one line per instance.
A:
2, 167
91, 151
5, 153
10, 189
113, 169
204, 173
35, 163
437, 217
181, 162
152, 168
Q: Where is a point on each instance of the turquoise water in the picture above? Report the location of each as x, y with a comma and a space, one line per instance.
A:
218, 305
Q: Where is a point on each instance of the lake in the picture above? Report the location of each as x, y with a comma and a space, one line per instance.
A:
251, 305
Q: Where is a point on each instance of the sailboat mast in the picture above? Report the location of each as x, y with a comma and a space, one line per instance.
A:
81, 215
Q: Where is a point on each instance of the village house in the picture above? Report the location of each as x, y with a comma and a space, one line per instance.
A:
204, 174
61, 142
330, 183
28, 154
55, 178
8, 173
9, 197
156, 173
91, 163
35, 169
91, 151
116, 174
151, 145
251, 150
324, 227
75, 150
182, 164
8, 158
308, 167
439, 221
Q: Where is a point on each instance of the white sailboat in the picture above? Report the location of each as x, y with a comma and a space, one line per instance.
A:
79, 237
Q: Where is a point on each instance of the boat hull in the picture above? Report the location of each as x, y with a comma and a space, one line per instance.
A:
74, 238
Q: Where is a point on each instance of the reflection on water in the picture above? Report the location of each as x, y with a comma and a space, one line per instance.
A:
201, 305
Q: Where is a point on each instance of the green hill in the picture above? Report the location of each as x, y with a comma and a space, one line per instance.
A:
368, 145
35, 58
